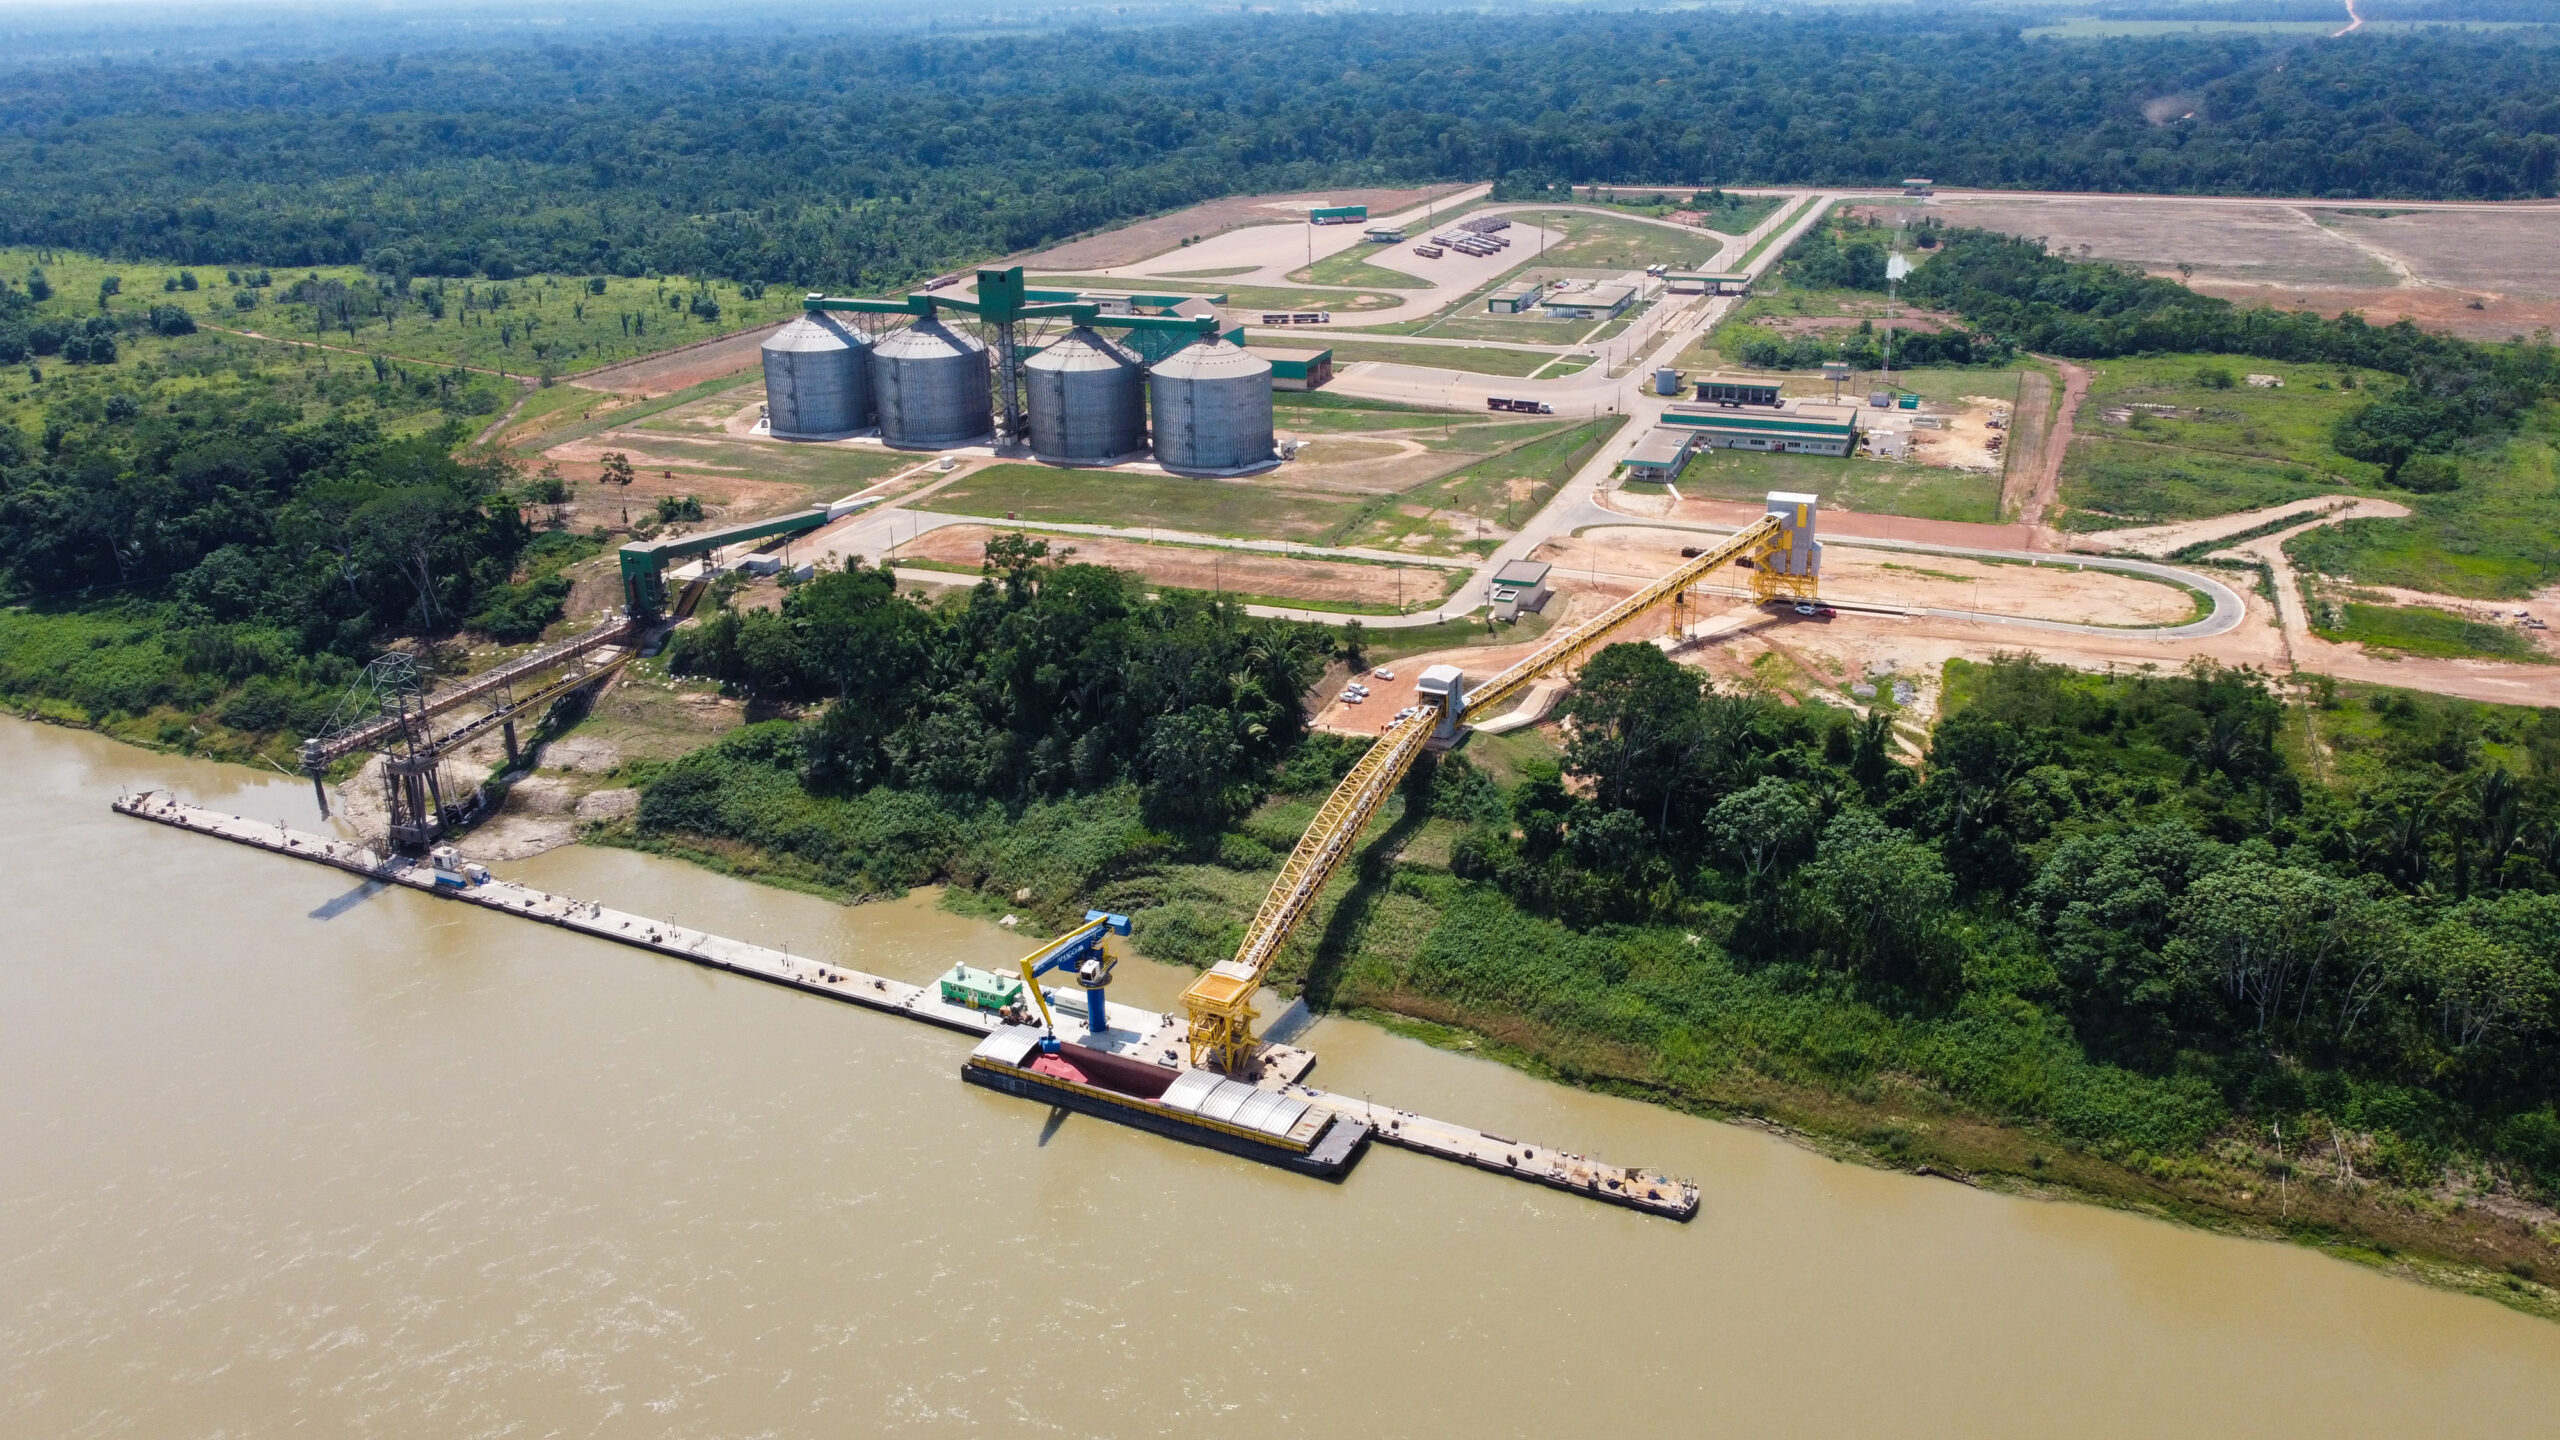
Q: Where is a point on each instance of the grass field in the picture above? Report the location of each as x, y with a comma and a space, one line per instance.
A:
1477, 360
523, 327
2220, 450
2423, 630
1473, 507
1874, 486
1249, 509
1494, 475
1352, 267
1732, 215
2496, 537
240, 372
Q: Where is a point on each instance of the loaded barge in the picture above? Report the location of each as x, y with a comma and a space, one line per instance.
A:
1201, 1107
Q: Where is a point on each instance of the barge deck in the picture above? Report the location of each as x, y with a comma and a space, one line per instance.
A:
1139, 1035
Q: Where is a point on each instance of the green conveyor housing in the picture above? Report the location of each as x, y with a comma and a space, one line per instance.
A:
644, 562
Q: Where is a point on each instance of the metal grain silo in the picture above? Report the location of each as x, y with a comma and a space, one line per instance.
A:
1212, 407
930, 384
1088, 400
817, 377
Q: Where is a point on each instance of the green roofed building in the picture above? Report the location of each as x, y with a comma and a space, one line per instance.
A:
1338, 215
1297, 369
1804, 429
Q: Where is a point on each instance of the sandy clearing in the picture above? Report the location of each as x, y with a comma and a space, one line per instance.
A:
2159, 541
2262, 244
2480, 271
1198, 568
1149, 238
2498, 252
1387, 696
1733, 514
668, 371
1901, 580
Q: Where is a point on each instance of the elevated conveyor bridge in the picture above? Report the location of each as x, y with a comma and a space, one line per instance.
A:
1785, 564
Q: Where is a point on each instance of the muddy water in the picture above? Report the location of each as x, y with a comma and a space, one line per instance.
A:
277, 1157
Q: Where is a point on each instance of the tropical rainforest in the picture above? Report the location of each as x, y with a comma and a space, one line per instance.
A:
858, 161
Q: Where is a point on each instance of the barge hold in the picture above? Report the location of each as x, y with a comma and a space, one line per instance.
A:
1145, 1039
1198, 1106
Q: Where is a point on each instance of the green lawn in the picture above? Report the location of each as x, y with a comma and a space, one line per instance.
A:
1477, 360
1352, 267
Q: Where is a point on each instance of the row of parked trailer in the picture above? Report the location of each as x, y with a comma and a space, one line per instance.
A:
1478, 236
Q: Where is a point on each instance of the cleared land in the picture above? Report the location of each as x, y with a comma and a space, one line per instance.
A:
1345, 585
2484, 272
1479, 360
1132, 243
2057, 590
1435, 488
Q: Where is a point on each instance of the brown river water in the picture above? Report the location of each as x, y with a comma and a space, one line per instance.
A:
281, 1158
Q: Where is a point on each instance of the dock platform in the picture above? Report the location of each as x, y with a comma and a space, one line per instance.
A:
1154, 1037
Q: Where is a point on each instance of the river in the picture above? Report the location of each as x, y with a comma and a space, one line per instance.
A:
279, 1157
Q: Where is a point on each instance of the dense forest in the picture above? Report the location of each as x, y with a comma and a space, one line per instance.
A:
1050, 678
861, 162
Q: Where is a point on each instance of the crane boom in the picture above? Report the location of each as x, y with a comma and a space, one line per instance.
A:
1220, 1001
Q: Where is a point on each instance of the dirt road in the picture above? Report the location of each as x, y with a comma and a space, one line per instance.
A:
2042, 495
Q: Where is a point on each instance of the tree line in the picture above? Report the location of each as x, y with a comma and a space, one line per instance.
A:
2133, 855
867, 161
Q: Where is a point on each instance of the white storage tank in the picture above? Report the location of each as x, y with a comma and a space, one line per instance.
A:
1212, 404
1088, 400
817, 378
930, 384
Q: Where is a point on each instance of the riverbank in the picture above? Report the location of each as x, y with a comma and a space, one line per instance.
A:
1361, 958
2505, 1257
355, 1160
1740, 1047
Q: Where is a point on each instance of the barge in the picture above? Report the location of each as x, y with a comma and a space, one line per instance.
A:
1198, 1106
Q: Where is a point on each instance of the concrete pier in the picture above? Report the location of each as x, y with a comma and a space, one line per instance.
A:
1140, 1034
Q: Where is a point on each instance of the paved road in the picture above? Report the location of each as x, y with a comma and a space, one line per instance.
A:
1573, 508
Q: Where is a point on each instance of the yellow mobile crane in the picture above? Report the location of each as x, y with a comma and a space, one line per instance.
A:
1785, 563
